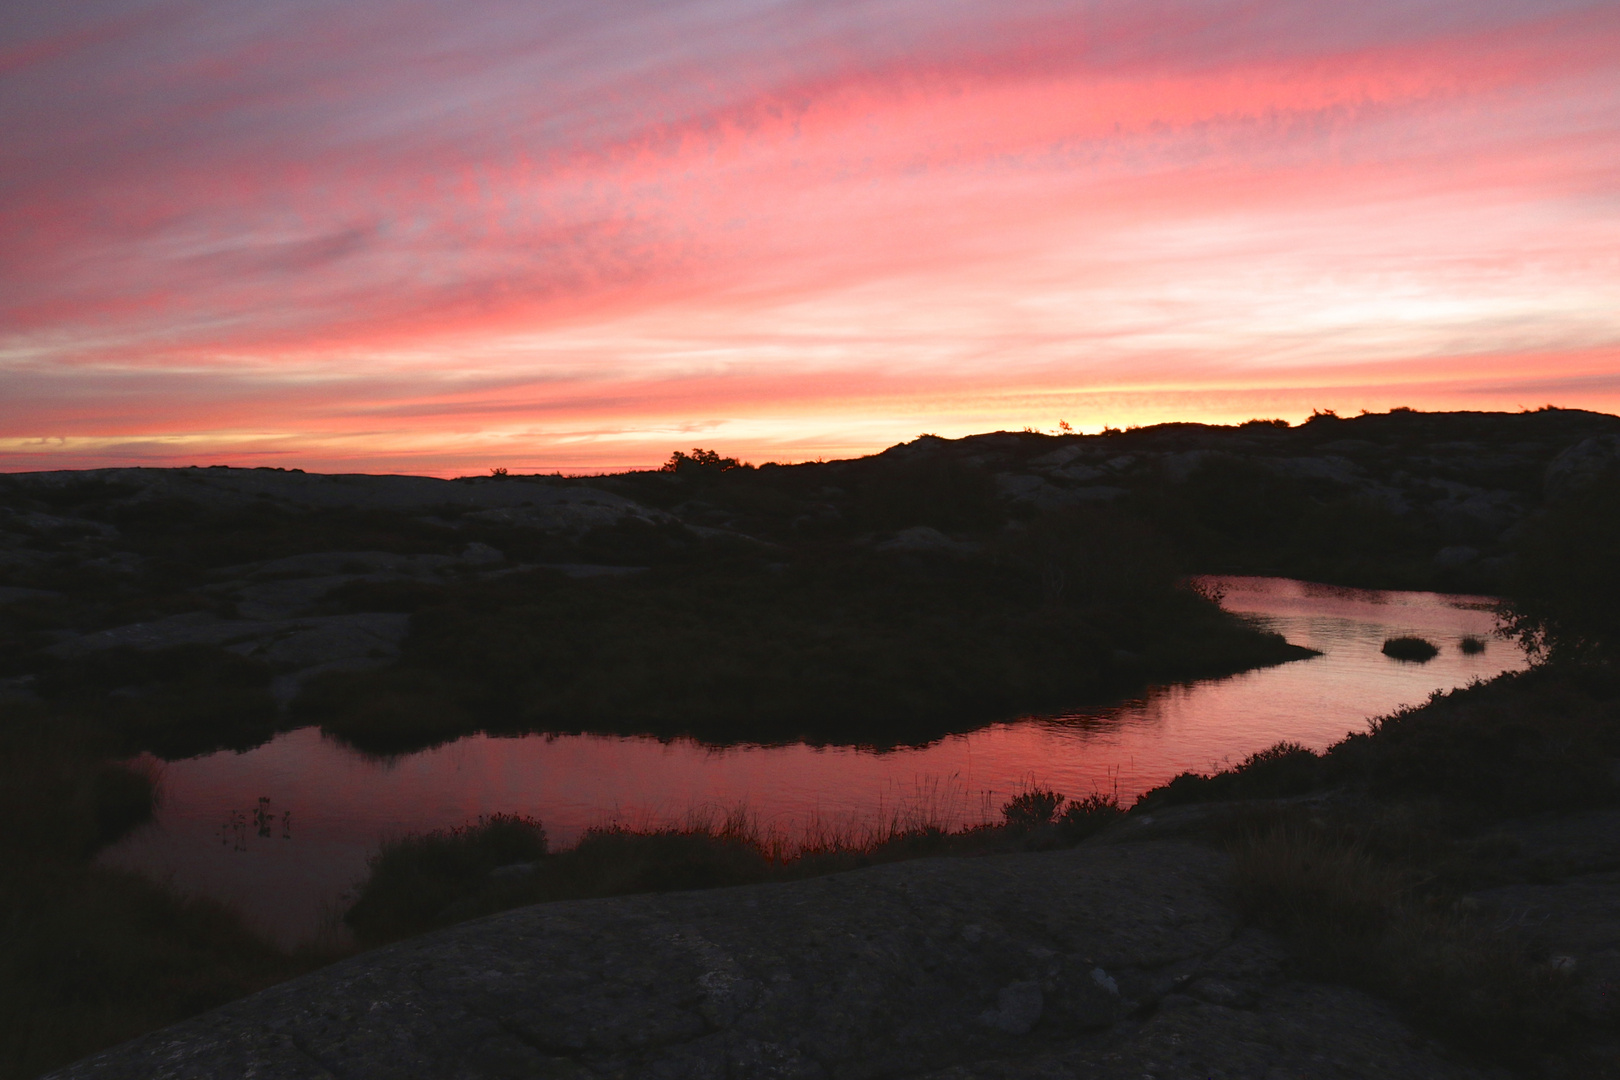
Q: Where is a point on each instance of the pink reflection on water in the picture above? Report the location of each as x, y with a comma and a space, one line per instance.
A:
340, 803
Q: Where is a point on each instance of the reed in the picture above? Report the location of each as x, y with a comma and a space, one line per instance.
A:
425, 881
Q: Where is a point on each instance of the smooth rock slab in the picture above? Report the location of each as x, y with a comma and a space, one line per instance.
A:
878, 973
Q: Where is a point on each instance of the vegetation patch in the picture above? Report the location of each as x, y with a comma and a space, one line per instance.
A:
172, 702
426, 881
1412, 649
876, 649
1527, 742
1353, 914
1280, 771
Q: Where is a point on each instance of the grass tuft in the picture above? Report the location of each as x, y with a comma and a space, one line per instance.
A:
416, 877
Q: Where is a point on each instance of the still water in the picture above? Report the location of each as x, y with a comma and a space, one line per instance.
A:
283, 831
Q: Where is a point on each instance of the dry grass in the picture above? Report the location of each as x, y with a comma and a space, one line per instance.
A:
424, 881
1353, 914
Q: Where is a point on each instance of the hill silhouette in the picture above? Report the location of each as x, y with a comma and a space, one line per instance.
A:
938, 584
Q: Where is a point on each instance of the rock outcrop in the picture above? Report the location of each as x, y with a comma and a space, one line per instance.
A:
1115, 960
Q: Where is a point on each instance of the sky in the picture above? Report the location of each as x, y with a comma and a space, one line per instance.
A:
441, 238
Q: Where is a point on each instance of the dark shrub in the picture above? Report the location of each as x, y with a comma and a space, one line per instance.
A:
415, 878
942, 492
1277, 772
1471, 645
1564, 595
1031, 809
1412, 649
830, 645
1533, 741
1087, 816
1538, 740
699, 460
174, 702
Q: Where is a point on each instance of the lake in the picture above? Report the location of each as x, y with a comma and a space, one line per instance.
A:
284, 831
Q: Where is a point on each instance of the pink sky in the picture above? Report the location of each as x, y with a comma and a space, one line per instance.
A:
444, 237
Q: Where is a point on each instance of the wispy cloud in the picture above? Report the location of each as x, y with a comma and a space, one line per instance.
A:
407, 235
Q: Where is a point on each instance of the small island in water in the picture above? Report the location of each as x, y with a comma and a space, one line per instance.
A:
152, 614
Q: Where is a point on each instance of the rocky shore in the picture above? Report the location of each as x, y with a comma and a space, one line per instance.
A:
1115, 959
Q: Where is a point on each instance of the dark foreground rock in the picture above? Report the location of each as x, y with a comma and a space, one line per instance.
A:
1104, 961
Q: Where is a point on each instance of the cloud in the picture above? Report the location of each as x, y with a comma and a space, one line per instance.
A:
509, 222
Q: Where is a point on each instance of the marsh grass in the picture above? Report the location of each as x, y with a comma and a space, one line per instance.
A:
424, 881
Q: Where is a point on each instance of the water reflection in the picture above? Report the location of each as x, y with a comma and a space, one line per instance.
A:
292, 884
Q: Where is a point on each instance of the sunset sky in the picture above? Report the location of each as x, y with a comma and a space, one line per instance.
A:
549, 234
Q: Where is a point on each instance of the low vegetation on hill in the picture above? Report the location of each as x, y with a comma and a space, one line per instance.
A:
826, 645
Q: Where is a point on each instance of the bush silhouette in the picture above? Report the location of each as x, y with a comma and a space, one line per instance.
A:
1032, 808
1413, 649
700, 460
1564, 597
1084, 817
